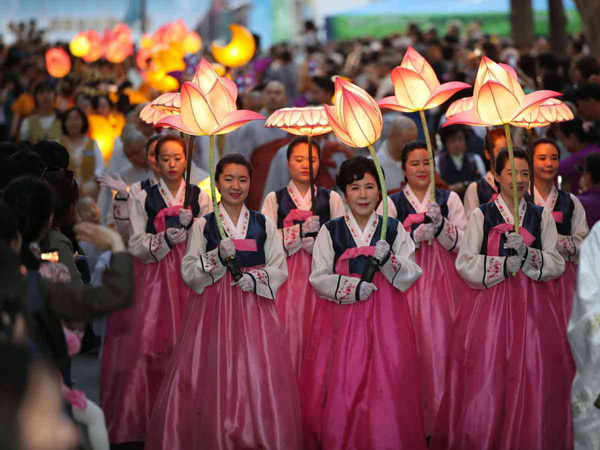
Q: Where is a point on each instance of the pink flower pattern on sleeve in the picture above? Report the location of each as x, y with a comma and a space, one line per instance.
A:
494, 270
211, 261
346, 292
156, 242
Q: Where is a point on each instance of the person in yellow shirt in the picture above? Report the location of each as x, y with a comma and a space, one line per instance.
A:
44, 124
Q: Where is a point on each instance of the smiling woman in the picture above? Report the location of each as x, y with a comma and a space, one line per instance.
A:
359, 388
231, 371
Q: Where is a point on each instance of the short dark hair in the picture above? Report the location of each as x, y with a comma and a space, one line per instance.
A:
42, 86
165, 139
325, 83
448, 132
32, 201
302, 140
592, 166
544, 140
29, 162
66, 195
63, 120
53, 154
409, 147
354, 169
588, 65
576, 127
150, 141
233, 158
503, 158
587, 91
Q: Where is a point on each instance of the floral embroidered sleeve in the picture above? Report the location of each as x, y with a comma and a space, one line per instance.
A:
122, 208
200, 268
290, 236
338, 288
147, 247
545, 264
478, 271
453, 226
268, 279
400, 268
568, 246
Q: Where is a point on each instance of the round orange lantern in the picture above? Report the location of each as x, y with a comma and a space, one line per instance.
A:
96, 48
58, 63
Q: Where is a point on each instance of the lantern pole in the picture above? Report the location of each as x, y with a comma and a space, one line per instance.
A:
384, 197
511, 157
431, 162
213, 193
311, 175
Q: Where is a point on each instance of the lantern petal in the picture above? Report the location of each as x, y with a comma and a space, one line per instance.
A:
413, 60
512, 72
362, 122
195, 111
410, 89
533, 100
205, 76
392, 103
496, 104
175, 122
468, 117
230, 87
460, 105
337, 128
236, 119
490, 71
220, 101
443, 92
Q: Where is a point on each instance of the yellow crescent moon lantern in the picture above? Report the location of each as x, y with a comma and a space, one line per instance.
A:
239, 50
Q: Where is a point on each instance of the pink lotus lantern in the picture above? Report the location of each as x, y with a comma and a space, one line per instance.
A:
498, 99
417, 88
207, 107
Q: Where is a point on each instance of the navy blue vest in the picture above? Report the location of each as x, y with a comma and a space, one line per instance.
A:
450, 174
564, 204
485, 192
342, 239
532, 222
146, 184
285, 204
256, 230
404, 207
155, 204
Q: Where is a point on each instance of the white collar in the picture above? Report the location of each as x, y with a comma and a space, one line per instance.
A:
507, 213
420, 207
362, 238
168, 197
235, 231
550, 202
302, 202
489, 177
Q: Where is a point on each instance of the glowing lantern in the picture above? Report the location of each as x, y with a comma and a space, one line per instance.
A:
79, 45
208, 108
58, 63
552, 110
417, 88
146, 42
220, 69
162, 106
240, 49
192, 43
310, 121
356, 120
460, 105
103, 133
96, 48
498, 99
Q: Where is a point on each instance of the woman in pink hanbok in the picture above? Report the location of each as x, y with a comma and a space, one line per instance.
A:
298, 221
568, 214
230, 383
436, 229
140, 339
509, 365
359, 383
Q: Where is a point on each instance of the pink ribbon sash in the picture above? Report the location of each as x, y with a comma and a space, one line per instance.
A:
159, 220
245, 245
413, 219
296, 215
493, 244
493, 198
343, 264
558, 216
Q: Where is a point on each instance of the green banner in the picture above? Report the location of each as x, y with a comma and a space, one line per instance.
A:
345, 27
